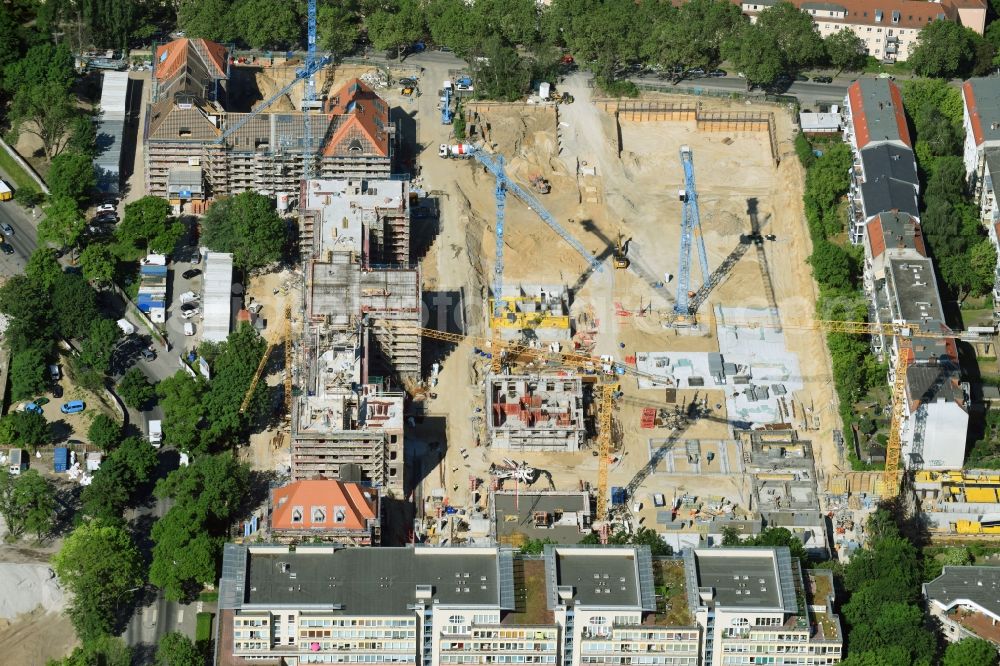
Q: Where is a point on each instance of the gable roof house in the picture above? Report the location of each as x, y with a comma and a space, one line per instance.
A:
326, 509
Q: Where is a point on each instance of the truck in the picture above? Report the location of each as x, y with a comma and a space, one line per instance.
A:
456, 150
127, 328
156, 433
5, 192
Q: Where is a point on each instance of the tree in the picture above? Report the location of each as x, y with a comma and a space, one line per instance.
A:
268, 24
514, 21
116, 484
337, 26
135, 389
396, 25
502, 73
793, 32
72, 175
63, 223
43, 268
536, 546
845, 50
183, 556
35, 499
102, 567
147, 226
10, 38
181, 398
982, 266
99, 651
233, 373
693, 36
176, 649
453, 22
214, 486
98, 263
45, 110
83, 136
26, 429
74, 305
248, 225
44, 63
104, 432
27, 374
754, 52
211, 19
97, 348
832, 265
944, 49
970, 652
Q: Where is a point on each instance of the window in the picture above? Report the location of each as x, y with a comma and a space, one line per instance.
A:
297, 513
339, 514
598, 620
318, 514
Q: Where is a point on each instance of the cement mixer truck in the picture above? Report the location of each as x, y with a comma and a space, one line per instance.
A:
457, 150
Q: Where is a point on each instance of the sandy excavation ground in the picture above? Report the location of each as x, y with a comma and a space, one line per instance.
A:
33, 629
636, 195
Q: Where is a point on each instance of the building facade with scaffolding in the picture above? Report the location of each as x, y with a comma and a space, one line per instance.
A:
361, 339
190, 110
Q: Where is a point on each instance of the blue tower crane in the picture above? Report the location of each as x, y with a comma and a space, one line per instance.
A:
690, 223
308, 157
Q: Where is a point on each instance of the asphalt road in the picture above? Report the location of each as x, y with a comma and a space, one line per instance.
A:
24, 239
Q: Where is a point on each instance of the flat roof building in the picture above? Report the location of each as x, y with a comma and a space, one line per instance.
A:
966, 600
216, 301
111, 131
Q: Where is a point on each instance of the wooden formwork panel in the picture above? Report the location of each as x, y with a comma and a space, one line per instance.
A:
732, 122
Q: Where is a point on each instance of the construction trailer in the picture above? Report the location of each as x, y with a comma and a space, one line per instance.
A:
216, 299
535, 412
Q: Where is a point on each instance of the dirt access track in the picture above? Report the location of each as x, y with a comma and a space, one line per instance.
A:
610, 176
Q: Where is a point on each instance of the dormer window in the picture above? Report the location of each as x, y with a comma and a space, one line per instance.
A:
318, 514
878, 15
339, 514
297, 514
895, 16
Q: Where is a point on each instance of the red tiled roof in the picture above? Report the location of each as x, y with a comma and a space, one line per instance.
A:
364, 112
358, 505
912, 13
860, 121
970, 103
875, 237
170, 57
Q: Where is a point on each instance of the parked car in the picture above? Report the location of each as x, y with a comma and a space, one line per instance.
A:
7, 229
697, 71
56, 391
187, 314
74, 407
41, 400
801, 77
106, 208
407, 82
149, 354
191, 273
187, 306
7, 248
188, 328
822, 79
718, 73
33, 408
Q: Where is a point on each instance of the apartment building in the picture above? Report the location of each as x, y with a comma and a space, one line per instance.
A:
326, 510
888, 28
752, 602
576, 605
536, 412
361, 336
981, 155
188, 160
966, 601
884, 171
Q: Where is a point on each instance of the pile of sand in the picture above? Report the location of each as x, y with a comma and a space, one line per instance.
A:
25, 587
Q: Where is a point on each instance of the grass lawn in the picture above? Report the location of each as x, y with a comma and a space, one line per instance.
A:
529, 592
18, 175
203, 628
209, 596
671, 591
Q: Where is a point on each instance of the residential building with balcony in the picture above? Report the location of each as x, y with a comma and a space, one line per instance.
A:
981, 121
575, 605
888, 28
966, 601
884, 169
755, 605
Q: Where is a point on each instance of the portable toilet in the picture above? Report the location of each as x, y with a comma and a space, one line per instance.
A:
544, 89
61, 463
18, 461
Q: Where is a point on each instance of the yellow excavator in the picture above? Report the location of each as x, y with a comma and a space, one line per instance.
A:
621, 260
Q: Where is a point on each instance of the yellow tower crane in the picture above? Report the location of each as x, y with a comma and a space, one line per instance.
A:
283, 334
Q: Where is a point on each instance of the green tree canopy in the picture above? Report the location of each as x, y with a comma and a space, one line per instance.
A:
176, 649
115, 485
43, 268
248, 225
753, 51
693, 36
101, 566
268, 24
135, 389
845, 50
396, 24
27, 503
211, 19
104, 432
970, 652
27, 374
97, 348
181, 398
25, 429
74, 305
794, 34
232, 374
832, 265
72, 176
99, 651
337, 27
147, 227
98, 263
944, 49
63, 223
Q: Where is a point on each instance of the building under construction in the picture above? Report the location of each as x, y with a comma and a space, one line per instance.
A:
361, 339
538, 312
536, 412
190, 157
